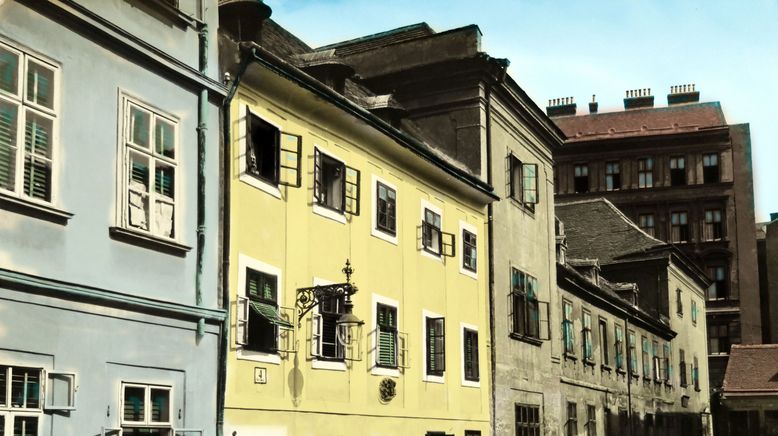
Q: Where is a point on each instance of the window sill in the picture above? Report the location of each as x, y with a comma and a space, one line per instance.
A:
588, 362
606, 368
471, 383
384, 236
148, 241
697, 389
527, 339
524, 208
620, 371
329, 213
468, 272
635, 375
431, 254
260, 184
385, 371
434, 378
259, 356
570, 356
330, 365
668, 384
34, 209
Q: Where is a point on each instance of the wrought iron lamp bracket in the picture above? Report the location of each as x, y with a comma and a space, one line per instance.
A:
309, 298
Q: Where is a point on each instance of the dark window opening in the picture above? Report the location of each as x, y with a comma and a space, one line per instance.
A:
679, 227
386, 209
330, 310
604, 346
718, 338
436, 346
677, 171
714, 230
263, 149
646, 173
336, 186
471, 355
261, 290
581, 179
431, 237
646, 223
612, 176
527, 420
710, 168
469, 260
571, 425
719, 289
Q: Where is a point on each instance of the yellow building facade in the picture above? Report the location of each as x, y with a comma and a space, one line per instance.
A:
315, 181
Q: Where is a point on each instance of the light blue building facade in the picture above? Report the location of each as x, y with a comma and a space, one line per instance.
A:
110, 318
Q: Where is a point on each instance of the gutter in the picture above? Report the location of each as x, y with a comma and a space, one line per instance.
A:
283, 68
224, 334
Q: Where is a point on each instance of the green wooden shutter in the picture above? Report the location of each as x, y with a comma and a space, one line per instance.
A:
387, 336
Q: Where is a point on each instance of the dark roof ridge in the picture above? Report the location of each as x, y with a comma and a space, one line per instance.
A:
598, 114
418, 26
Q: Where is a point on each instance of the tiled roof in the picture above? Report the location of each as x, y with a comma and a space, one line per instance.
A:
381, 39
642, 122
752, 369
597, 229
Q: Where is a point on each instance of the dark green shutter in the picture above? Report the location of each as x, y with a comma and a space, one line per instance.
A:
37, 171
8, 116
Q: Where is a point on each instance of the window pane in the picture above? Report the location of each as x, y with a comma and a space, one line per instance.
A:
25, 426
8, 123
134, 404
164, 181
140, 122
138, 199
37, 134
160, 405
164, 216
165, 139
9, 71
25, 387
37, 166
40, 85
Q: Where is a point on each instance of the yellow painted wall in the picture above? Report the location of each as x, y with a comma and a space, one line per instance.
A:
285, 233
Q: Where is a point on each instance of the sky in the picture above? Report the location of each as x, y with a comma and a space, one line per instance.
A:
561, 48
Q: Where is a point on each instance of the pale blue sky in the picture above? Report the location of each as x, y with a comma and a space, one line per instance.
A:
561, 48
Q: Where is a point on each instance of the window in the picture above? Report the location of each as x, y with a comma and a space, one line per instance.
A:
524, 307
591, 420
259, 316
677, 171
28, 113
434, 240
719, 289
668, 363
470, 361
335, 185
657, 366
469, 251
571, 426
694, 312
386, 209
586, 334
20, 396
713, 230
146, 410
646, 222
633, 353
386, 331
696, 374
619, 344
568, 335
679, 227
646, 173
679, 302
581, 178
326, 339
151, 164
718, 338
524, 182
645, 350
682, 367
436, 346
710, 168
472, 432
527, 420
271, 155
612, 176
604, 350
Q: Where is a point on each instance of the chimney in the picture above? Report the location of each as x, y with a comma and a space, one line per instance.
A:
558, 107
593, 105
638, 99
680, 94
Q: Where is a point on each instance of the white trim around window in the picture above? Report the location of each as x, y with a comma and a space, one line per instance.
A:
319, 363
426, 204
462, 327
461, 247
424, 315
317, 208
374, 230
243, 145
245, 262
374, 369
129, 149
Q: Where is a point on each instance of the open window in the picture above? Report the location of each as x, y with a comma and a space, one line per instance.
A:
262, 325
523, 179
330, 341
60, 390
336, 186
434, 240
272, 156
528, 317
435, 347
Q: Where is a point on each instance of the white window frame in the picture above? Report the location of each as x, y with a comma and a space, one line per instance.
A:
20, 100
146, 423
374, 230
425, 204
71, 394
244, 176
474, 230
247, 262
126, 102
9, 412
374, 368
465, 382
317, 208
425, 377
316, 363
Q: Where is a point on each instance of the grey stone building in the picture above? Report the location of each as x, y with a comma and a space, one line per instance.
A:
684, 175
109, 254
767, 255
632, 330
464, 104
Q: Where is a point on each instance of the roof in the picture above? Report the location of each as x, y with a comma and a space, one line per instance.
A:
642, 122
595, 228
388, 37
752, 369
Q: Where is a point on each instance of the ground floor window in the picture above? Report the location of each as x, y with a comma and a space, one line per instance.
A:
146, 410
20, 400
527, 420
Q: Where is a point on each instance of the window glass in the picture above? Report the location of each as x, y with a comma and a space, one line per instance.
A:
8, 146
134, 404
140, 122
9, 70
469, 251
40, 84
386, 209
